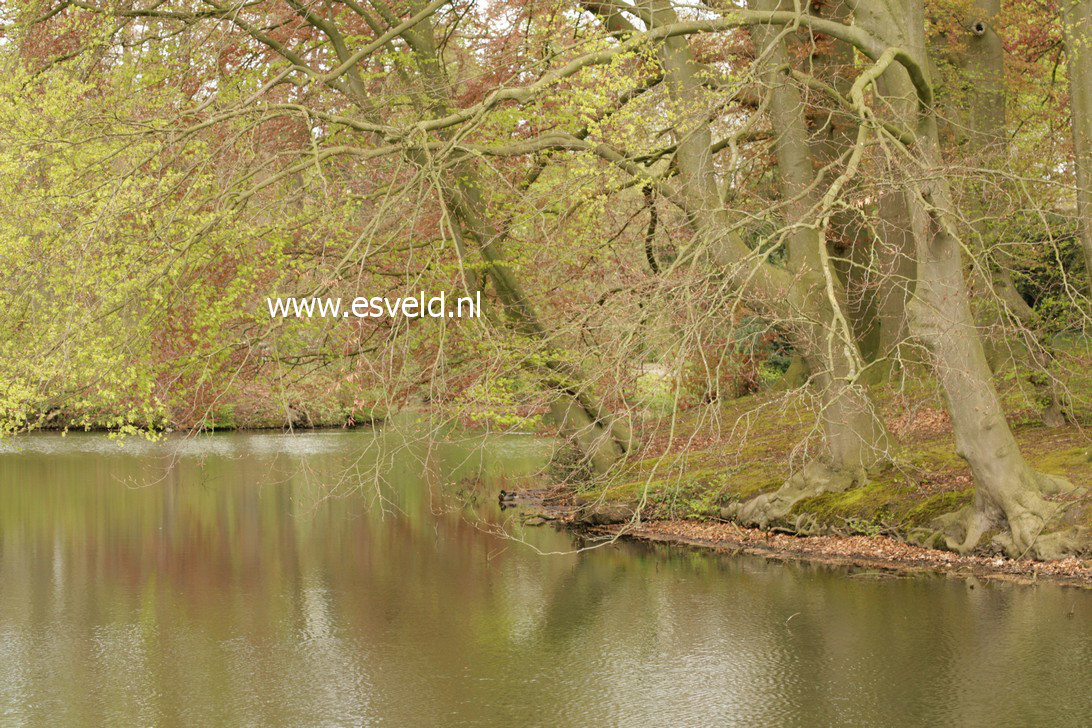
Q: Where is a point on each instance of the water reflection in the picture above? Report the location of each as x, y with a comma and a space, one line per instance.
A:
214, 580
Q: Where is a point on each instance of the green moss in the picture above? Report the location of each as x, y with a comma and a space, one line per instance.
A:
1061, 462
937, 505
751, 442
932, 456
874, 500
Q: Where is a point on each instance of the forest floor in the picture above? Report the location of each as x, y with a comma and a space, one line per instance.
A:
695, 467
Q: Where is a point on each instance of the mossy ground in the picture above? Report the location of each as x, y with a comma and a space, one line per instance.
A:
734, 451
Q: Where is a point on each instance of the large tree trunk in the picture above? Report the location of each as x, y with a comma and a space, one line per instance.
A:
1007, 489
855, 435
896, 271
582, 418
984, 140
854, 438
873, 258
1008, 492
894, 262
1077, 23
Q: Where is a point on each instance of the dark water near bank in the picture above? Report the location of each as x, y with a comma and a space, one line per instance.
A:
274, 580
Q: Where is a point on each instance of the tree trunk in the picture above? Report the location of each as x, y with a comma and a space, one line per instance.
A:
1077, 24
582, 419
982, 133
854, 438
1008, 492
856, 252
854, 433
986, 142
880, 267
896, 271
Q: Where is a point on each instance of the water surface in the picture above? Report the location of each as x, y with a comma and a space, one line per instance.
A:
339, 579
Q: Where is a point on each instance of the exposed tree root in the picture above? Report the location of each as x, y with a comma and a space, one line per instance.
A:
814, 479
1022, 521
1025, 525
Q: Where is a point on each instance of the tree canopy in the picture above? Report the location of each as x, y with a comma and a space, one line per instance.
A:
837, 205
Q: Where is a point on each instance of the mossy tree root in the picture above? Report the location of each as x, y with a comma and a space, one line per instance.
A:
1023, 523
814, 479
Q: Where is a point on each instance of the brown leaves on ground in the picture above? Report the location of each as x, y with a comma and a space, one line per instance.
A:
919, 421
876, 552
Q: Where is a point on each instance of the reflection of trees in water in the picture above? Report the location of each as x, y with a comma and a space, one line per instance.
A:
241, 582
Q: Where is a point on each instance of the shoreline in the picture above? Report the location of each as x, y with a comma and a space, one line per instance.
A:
875, 553
265, 427
879, 553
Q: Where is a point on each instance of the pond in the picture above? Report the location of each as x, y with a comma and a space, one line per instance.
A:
359, 578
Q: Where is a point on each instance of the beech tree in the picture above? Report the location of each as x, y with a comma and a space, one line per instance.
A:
796, 155
939, 312
1077, 26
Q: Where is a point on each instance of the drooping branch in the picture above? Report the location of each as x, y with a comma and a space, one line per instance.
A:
864, 42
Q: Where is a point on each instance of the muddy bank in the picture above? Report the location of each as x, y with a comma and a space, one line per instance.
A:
875, 553
882, 554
